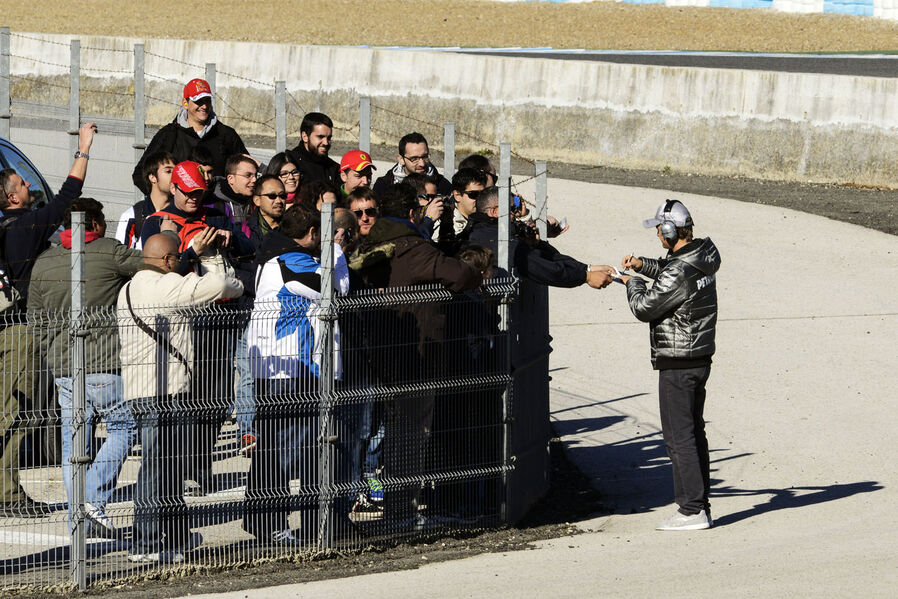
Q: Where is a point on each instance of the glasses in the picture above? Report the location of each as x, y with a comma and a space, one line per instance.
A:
273, 195
248, 175
421, 158
288, 174
473, 193
369, 212
429, 196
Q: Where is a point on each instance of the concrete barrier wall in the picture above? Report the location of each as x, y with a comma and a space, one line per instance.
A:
761, 124
883, 9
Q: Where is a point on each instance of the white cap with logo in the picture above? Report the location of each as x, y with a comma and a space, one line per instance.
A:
672, 211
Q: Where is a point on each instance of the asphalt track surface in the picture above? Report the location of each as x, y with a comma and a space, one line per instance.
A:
863, 65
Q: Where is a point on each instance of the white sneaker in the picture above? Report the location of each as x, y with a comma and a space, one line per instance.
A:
678, 521
143, 558
99, 521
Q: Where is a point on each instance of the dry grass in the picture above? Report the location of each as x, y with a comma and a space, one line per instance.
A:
596, 25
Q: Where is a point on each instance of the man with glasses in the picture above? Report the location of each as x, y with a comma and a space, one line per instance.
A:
270, 200
414, 157
363, 204
196, 124
467, 184
233, 193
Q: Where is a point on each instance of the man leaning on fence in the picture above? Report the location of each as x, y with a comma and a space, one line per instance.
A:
107, 265
155, 322
24, 234
285, 351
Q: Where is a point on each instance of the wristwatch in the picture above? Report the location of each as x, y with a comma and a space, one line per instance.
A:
81, 155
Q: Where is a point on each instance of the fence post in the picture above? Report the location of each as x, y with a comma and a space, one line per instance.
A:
504, 262
140, 107
280, 116
540, 199
327, 315
365, 124
449, 150
74, 95
210, 76
5, 104
78, 457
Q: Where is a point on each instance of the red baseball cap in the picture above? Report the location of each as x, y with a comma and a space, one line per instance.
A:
356, 160
188, 176
197, 89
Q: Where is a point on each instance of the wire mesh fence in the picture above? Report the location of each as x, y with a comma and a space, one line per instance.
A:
189, 452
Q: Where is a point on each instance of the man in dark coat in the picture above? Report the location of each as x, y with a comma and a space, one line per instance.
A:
311, 154
196, 125
395, 254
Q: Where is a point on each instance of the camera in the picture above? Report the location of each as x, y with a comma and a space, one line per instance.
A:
525, 231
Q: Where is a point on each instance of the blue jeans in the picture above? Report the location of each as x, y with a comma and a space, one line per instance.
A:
244, 397
161, 520
104, 398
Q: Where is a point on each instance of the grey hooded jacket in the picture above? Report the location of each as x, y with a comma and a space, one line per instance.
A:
681, 305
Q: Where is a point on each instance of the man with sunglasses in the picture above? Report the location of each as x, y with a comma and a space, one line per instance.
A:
209, 243
196, 124
413, 157
363, 204
270, 200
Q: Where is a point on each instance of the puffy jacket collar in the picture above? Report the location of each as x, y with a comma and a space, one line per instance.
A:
181, 119
221, 190
701, 254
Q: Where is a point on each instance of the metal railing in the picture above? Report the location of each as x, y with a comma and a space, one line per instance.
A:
387, 429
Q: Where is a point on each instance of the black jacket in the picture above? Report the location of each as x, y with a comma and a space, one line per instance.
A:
221, 141
541, 263
382, 184
315, 168
30, 234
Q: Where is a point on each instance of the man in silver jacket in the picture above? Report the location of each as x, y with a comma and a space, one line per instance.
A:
681, 309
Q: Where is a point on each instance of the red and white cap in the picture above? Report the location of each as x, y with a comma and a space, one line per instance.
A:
356, 160
197, 89
188, 176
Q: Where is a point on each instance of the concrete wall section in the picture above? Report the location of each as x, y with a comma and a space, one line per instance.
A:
714, 121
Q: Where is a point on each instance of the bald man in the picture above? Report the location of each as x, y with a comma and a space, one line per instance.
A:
157, 365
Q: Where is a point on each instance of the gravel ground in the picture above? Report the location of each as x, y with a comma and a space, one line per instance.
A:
594, 25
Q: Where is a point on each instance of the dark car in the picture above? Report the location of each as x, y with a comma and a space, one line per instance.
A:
12, 157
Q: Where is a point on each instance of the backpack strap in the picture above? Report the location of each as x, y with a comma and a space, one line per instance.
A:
171, 349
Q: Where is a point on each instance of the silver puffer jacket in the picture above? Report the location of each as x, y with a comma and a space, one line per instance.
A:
681, 305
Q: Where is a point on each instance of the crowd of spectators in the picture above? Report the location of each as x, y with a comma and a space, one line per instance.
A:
217, 272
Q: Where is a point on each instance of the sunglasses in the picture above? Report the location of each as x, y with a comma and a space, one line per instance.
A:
369, 212
473, 194
429, 196
272, 195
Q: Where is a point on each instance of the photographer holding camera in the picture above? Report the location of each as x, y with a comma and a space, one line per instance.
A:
533, 258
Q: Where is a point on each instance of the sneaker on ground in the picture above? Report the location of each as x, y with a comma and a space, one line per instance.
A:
24, 508
284, 537
143, 558
99, 522
364, 505
678, 521
247, 444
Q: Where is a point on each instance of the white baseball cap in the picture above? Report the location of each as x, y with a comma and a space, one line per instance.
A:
673, 211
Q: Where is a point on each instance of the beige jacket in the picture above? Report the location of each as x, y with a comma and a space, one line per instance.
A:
174, 298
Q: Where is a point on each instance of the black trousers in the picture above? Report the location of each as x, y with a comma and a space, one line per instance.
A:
681, 394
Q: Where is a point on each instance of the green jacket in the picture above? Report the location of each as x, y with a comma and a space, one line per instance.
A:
108, 265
